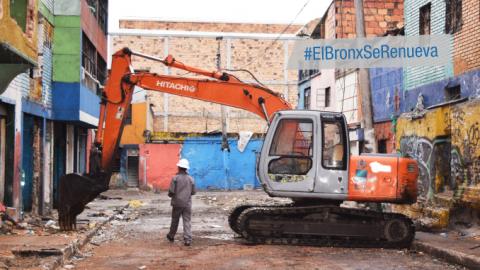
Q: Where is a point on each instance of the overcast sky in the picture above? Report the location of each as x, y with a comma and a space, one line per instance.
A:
252, 11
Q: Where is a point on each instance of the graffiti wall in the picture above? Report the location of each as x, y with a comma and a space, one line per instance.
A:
446, 144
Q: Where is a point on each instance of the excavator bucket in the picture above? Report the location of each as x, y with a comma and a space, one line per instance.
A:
76, 191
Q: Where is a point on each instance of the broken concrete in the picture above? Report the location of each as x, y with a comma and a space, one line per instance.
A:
46, 246
450, 247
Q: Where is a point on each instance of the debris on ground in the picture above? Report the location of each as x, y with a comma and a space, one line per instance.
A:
229, 201
105, 197
135, 203
52, 224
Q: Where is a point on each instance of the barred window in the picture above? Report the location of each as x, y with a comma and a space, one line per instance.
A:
453, 16
425, 19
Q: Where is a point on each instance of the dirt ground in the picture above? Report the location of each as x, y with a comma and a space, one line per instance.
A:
136, 240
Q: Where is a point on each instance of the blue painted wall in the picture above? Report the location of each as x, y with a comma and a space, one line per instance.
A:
384, 82
27, 162
71, 98
301, 94
89, 101
213, 168
36, 109
434, 93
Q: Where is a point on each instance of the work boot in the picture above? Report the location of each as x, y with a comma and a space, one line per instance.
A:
187, 243
170, 239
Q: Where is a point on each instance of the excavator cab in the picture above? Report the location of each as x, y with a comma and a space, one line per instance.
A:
305, 154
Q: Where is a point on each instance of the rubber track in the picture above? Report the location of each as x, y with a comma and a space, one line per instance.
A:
316, 240
235, 213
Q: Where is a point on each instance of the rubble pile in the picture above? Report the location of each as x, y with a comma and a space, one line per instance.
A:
229, 200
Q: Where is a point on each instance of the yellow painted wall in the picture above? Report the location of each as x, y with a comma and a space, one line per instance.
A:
133, 133
465, 128
12, 34
446, 143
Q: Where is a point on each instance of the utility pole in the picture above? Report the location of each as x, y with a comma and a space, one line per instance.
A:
223, 109
364, 86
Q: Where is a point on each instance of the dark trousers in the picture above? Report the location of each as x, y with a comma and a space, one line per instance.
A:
185, 213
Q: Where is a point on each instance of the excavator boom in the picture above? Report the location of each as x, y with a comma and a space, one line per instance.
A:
223, 88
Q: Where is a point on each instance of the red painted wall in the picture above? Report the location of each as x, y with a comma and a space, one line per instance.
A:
383, 131
159, 162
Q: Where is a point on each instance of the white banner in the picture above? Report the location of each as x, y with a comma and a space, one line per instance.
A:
389, 51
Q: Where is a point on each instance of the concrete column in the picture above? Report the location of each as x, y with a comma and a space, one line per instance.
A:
17, 158
70, 158
165, 95
47, 166
37, 169
2, 154
285, 69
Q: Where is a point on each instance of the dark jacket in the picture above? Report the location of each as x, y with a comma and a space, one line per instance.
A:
181, 190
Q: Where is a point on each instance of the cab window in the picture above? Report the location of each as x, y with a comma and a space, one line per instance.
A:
293, 143
333, 145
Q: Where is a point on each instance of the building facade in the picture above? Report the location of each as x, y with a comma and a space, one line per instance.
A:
440, 125
49, 108
192, 126
337, 90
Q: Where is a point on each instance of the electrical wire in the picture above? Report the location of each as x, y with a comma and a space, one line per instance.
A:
247, 71
281, 33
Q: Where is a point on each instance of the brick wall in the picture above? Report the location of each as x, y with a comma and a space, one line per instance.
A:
379, 17
209, 26
466, 54
179, 114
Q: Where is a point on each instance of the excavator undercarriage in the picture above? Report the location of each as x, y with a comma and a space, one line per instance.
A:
322, 225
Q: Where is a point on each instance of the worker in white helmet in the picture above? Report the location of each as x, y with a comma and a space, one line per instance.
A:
181, 190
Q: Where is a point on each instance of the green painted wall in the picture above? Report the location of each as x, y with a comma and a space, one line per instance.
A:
67, 49
18, 11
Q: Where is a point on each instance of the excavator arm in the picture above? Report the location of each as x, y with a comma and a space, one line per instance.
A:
223, 88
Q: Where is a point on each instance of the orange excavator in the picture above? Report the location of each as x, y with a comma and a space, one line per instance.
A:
305, 156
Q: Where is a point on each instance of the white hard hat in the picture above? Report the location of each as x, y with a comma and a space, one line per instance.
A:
183, 163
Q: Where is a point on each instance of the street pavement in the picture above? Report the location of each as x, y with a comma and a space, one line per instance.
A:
127, 228
140, 243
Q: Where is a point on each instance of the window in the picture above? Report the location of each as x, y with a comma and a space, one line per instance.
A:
128, 117
306, 97
93, 65
293, 137
334, 153
99, 10
453, 16
382, 146
18, 12
425, 19
293, 142
327, 97
307, 74
452, 93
